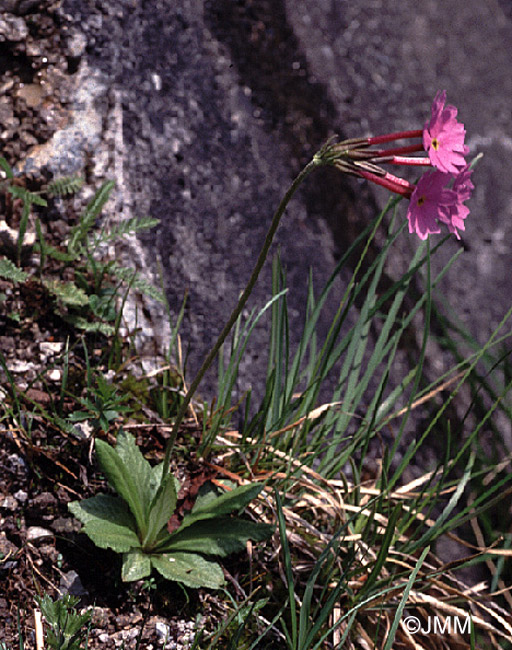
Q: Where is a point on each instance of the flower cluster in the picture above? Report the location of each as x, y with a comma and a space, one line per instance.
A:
439, 195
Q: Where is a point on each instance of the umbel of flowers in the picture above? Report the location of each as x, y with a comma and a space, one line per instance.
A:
439, 196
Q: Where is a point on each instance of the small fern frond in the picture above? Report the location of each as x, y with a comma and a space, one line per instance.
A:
136, 281
127, 227
87, 326
67, 292
60, 256
87, 220
26, 196
9, 271
64, 186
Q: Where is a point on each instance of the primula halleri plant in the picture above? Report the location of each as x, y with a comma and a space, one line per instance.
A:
439, 196
442, 133
135, 522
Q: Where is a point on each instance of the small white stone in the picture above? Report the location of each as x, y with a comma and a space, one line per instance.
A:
51, 347
162, 630
83, 430
37, 533
21, 495
18, 366
54, 375
9, 503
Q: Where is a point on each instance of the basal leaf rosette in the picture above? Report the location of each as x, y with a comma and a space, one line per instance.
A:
135, 522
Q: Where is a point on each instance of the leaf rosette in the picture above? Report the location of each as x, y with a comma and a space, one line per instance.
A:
135, 522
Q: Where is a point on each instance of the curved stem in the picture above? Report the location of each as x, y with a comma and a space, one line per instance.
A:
237, 310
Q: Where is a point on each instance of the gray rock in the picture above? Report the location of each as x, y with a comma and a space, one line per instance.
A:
247, 91
76, 45
71, 584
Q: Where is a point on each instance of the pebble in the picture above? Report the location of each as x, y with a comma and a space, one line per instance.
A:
9, 239
12, 29
70, 583
38, 533
20, 367
16, 463
54, 375
76, 45
100, 617
50, 347
162, 630
9, 503
21, 495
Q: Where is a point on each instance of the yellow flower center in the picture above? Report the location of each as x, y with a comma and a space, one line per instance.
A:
435, 143
421, 201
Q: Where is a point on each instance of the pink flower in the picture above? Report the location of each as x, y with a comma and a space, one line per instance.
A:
443, 137
430, 201
453, 216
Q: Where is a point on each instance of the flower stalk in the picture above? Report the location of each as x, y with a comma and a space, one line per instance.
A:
315, 162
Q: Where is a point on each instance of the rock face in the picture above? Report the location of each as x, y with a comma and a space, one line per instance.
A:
222, 103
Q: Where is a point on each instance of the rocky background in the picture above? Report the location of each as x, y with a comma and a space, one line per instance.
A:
205, 110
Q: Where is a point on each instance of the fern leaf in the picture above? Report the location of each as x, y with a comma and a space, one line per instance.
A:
64, 186
136, 281
87, 220
67, 292
26, 196
86, 326
11, 272
127, 227
58, 255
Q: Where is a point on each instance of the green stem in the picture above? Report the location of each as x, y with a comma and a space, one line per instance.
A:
315, 162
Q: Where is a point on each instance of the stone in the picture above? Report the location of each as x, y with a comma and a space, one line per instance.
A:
12, 28
9, 240
38, 534
9, 503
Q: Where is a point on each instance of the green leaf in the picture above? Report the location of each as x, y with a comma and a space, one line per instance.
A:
79, 232
67, 629
59, 255
156, 479
190, 569
136, 281
64, 186
103, 306
6, 167
68, 292
127, 474
136, 565
221, 536
107, 521
11, 272
29, 197
232, 501
87, 326
126, 227
161, 509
